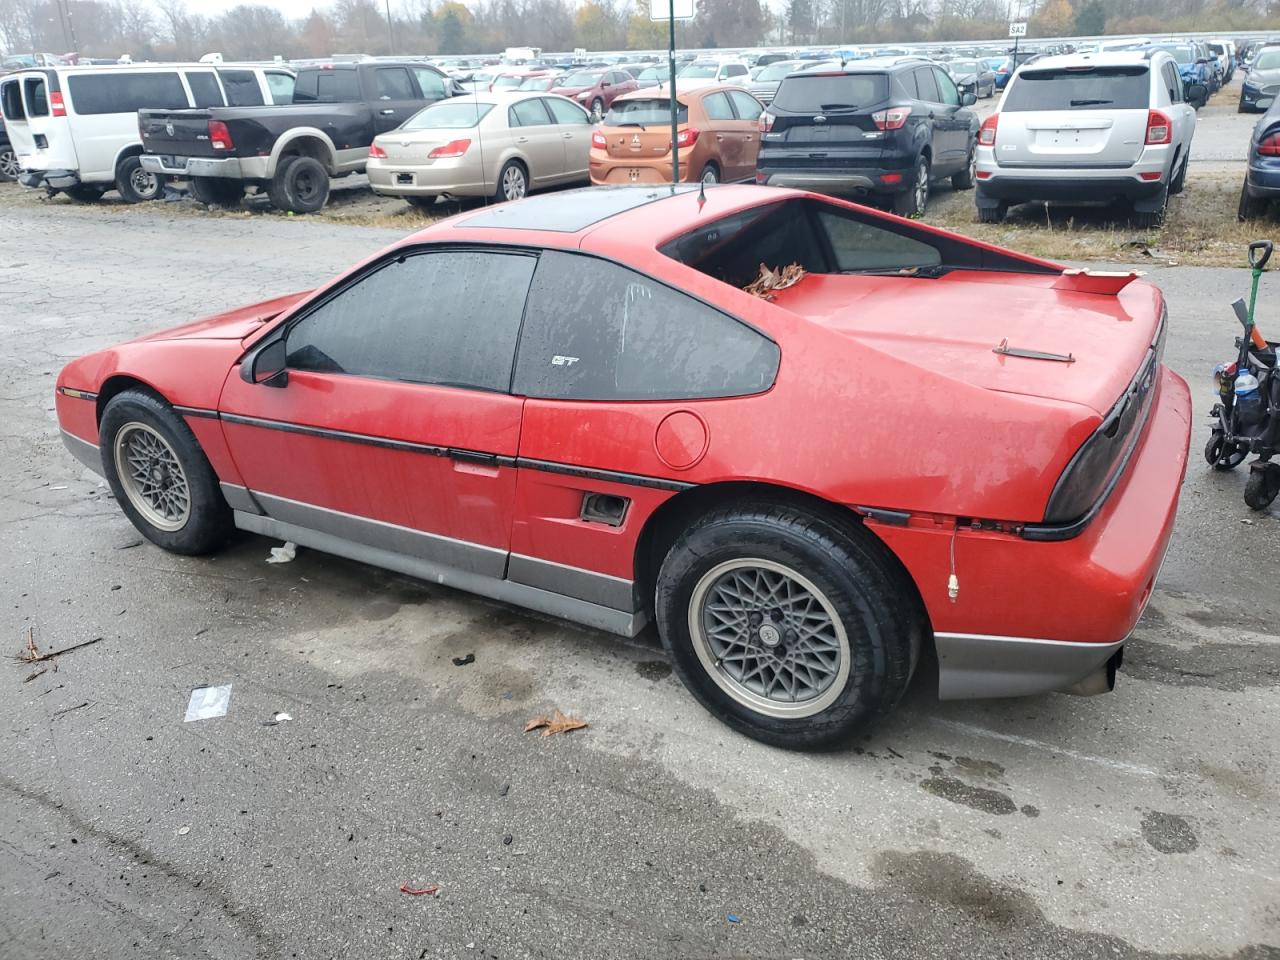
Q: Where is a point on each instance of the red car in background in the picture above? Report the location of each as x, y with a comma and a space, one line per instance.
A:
596, 89
898, 437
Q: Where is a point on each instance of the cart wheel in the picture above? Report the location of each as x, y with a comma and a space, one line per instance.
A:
1217, 456
1263, 485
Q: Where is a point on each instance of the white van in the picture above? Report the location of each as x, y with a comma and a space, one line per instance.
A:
75, 129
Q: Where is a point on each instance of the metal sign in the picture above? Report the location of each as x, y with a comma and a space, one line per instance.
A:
579, 53
663, 9
1018, 29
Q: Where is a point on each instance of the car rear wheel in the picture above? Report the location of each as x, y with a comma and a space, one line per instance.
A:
1177, 184
913, 202
215, 192
963, 180
1251, 208
994, 214
9, 167
785, 626
513, 182
136, 185
1150, 219
710, 174
301, 185
1263, 485
160, 476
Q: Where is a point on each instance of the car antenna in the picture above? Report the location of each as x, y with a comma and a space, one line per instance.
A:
484, 183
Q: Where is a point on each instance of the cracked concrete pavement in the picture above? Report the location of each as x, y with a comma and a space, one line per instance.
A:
1142, 823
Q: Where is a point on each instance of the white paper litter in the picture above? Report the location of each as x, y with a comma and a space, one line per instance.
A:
207, 703
281, 717
283, 554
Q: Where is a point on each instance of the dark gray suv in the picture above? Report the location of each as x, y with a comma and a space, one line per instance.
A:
875, 128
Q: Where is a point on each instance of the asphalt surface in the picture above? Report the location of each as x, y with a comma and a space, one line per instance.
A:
1144, 822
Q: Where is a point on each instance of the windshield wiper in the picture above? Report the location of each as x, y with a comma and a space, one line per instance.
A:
1090, 103
838, 106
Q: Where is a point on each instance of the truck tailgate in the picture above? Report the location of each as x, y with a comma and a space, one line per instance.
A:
183, 133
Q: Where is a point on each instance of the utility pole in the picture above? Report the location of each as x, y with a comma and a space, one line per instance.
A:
391, 44
71, 25
671, 73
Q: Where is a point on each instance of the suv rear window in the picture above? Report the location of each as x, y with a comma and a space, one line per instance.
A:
826, 92
1093, 88
648, 111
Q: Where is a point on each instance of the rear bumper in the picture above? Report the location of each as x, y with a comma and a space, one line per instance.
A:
1262, 178
1036, 616
1065, 186
52, 179
462, 179
228, 168
852, 183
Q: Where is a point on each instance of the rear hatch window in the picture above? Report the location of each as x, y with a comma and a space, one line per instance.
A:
11, 100
830, 93
1091, 88
650, 111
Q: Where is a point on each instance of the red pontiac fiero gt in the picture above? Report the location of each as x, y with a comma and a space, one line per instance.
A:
573, 404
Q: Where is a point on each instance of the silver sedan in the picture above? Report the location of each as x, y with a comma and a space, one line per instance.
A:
493, 144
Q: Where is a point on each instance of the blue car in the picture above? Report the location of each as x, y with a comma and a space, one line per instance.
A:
1192, 65
1262, 176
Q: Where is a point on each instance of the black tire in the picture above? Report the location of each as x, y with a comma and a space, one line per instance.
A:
421, 203
136, 185
301, 185
963, 180
1241, 108
1263, 485
994, 214
513, 182
873, 600
216, 192
710, 174
1213, 453
1251, 208
597, 109
84, 193
912, 202
1179, 181
9, 167
1150, 219
208, 521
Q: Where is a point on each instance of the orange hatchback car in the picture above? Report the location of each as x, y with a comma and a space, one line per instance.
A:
718, 135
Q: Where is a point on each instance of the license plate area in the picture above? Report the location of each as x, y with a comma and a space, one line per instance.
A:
404, 179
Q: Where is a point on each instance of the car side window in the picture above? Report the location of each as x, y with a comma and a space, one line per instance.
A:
746, 106
1173, 82
716, 106
242, 88
37, 97
430, 83
393, 83
205, 91
734, 70
528, 113
927, 86
445, 317
562, 111
594, 330
280, 86
859, 245
946, 87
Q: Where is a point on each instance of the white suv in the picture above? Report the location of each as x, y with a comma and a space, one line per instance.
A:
1089, 127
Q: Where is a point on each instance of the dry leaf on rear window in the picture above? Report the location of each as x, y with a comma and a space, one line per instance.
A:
770, 280
556, 723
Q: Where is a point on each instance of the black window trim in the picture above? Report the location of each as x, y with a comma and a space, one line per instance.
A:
403, 253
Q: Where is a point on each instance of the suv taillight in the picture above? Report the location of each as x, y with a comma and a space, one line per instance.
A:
891, 119
1269, 146
766, 121
220, 136
56, 106
987, 132
1159, 129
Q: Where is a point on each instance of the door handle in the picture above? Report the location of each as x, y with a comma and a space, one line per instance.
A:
522, 139
473, 456
567, 136
719, 136
387, 112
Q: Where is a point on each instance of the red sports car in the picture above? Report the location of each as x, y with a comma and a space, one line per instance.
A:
591, 404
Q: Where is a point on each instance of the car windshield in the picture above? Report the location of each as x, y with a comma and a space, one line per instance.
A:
448, 115
581, 80
653, 73
699, 71
507, 82
776, 71
1267, 60
1115, 88
537, 83
964, 66
831, 93
1182, 54
654, 111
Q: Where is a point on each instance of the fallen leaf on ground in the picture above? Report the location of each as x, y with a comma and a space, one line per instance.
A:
420, 891
556, 723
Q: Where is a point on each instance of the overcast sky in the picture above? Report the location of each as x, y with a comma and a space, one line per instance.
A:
293, 9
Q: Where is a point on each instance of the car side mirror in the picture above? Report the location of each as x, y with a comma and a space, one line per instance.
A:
605, 83
968, 99
266, 364
1197, 94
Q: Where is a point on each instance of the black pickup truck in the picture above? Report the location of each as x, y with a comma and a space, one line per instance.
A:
290, 151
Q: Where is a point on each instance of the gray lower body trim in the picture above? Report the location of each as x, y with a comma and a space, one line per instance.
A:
84, 451
239, 498
542, 601
974, 666
228, 168
599, 588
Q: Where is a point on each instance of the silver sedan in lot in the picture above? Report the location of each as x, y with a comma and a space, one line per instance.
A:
497, 144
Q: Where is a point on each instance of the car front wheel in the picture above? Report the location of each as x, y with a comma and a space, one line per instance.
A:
160, 476
136, 185
787, 627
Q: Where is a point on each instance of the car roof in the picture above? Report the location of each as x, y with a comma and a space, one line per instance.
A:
1109, 58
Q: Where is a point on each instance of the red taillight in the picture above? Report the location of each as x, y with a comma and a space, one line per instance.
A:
766, 121
984, 174
1159, 129
687, 137
1004, 68
56, 106
220, 136
1149, 175
892, 119
454, 148
760, 177
987, 132
1270, 145
598, 141
376, 152
891, 178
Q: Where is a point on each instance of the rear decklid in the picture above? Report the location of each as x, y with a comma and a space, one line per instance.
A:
957, 322
636, 128
1090, 115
